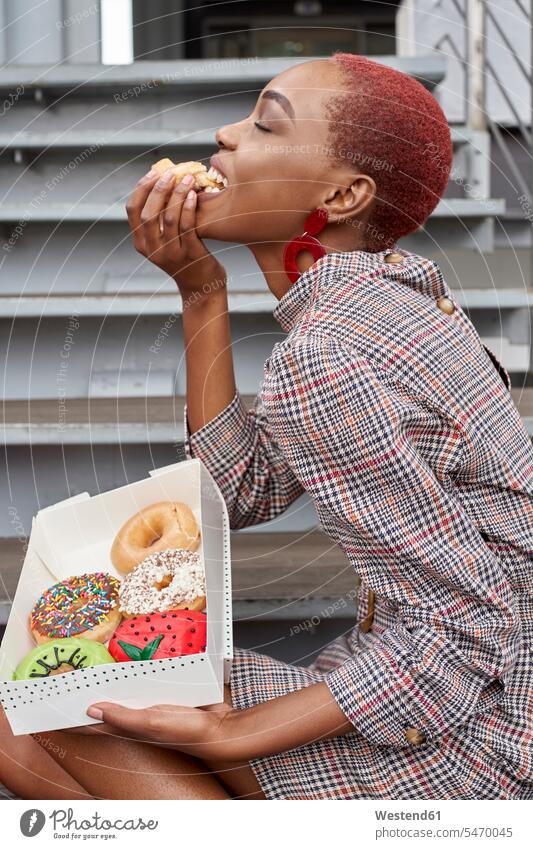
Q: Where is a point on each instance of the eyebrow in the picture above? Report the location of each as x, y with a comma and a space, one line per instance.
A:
286, 105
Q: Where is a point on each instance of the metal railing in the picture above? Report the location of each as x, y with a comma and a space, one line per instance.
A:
478, 69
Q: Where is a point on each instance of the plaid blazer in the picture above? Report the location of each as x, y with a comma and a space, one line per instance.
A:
391, 414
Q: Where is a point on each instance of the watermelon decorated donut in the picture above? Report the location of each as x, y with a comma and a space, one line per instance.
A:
57, 656
171, 634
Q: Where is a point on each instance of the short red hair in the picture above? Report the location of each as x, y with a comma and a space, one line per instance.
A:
395, 131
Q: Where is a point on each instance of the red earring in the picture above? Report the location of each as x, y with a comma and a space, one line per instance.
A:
314, 224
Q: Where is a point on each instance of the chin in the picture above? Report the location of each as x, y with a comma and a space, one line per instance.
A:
217, 231
226, 229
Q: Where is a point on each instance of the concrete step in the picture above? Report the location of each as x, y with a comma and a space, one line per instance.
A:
111, 267
109, 305
105, 421
95, 213
79, 81
502, 318
145, 139
98, 421
274, 576
154, 302
502, 268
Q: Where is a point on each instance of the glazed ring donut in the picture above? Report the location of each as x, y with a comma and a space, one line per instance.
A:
167, 580
83, 606
166, 524
58, 656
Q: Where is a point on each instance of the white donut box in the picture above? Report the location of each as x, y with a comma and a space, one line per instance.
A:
74, 537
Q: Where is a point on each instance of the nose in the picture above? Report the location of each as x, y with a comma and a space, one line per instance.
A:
227, 137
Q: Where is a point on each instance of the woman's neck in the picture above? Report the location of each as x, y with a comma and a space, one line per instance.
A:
269, 256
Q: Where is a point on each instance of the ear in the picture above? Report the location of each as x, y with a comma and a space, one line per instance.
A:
347, 202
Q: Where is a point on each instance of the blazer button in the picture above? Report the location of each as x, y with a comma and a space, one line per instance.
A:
414, 736
394, 257
446, 305
366, 624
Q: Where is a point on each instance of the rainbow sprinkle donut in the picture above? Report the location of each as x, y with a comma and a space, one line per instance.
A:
83, 606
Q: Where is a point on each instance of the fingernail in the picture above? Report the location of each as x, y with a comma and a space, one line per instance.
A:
187, 180
167, 176
189, 200
95, 712
151, 173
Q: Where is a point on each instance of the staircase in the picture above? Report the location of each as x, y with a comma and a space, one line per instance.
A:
89, 401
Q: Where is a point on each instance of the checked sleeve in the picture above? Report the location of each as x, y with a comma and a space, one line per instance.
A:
344, 429
239, 451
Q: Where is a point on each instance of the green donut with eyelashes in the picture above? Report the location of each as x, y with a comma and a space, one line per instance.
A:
58, 656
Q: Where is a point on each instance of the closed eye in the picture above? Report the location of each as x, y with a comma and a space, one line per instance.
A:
260, 127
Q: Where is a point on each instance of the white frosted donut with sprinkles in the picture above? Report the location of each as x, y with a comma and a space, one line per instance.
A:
173, 579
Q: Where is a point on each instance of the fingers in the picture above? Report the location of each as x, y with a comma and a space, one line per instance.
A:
172, 215
135, 206
141, 723
154, 206
162, 216
192, 245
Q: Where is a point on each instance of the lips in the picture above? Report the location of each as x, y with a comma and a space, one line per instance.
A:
219, 178
216, 162
215, 174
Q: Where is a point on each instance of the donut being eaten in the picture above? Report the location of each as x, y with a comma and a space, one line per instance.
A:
204, 180
160, 526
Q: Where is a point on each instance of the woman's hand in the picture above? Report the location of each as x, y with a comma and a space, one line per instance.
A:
162, 218
207, 732
219, 732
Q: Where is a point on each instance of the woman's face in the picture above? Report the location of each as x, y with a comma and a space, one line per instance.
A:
276, 161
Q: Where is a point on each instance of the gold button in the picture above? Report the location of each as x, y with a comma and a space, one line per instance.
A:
366, 624
446, 305
414, 736
394, 258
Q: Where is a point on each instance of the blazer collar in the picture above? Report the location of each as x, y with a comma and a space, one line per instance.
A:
421, 274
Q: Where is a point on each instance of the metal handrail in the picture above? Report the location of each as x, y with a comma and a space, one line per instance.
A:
496, 133
503, 91
489, 13
455, 50
477, 68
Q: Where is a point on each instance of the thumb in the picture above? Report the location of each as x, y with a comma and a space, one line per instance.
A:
153, 723
122, 717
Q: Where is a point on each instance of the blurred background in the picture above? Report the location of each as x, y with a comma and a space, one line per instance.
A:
92, 93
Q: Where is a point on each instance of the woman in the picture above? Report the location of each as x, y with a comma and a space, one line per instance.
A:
382, 404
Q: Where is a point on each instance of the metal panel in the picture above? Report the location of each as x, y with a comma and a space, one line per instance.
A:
33, 38
81, 24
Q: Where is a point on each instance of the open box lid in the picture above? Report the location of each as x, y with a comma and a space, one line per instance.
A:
75, 536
